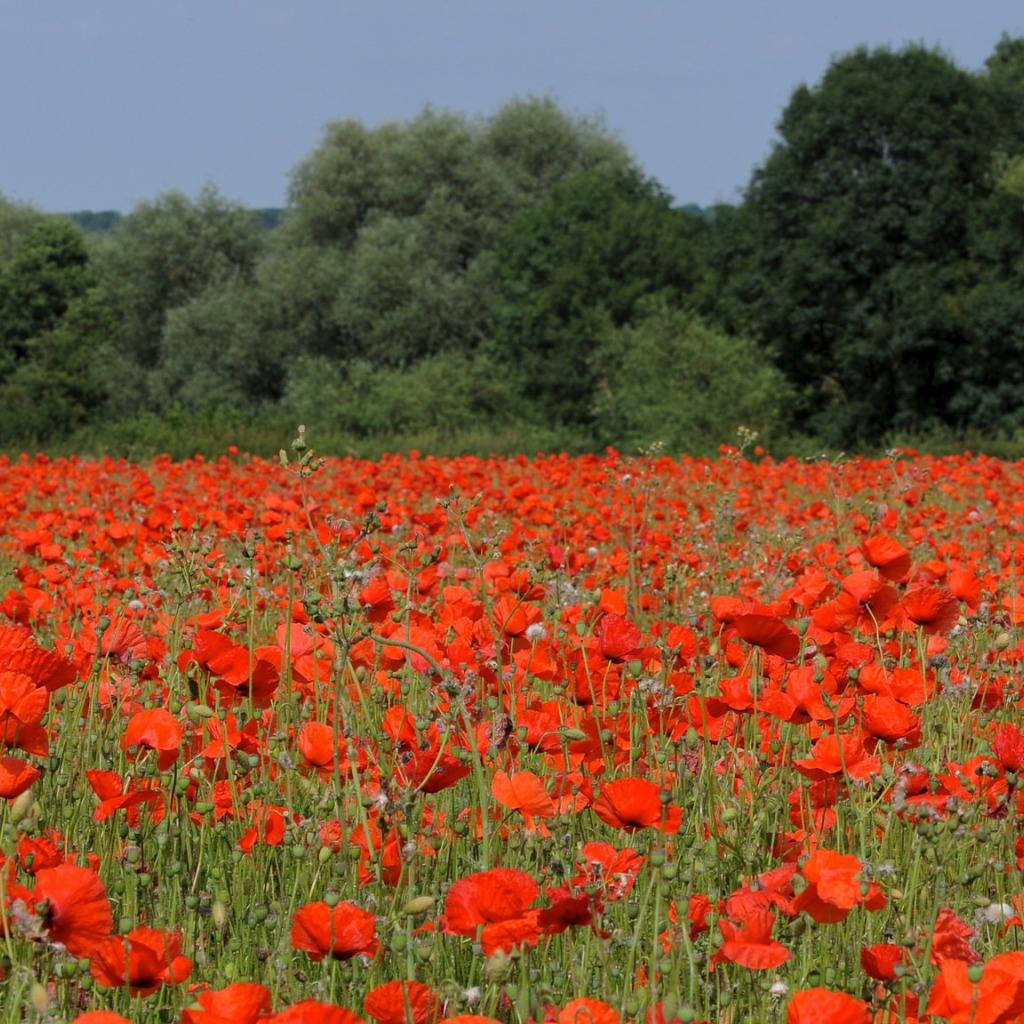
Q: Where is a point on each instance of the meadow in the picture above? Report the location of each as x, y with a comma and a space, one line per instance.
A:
577, 740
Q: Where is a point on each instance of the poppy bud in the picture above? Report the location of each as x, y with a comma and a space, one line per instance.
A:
498, 967
418, 905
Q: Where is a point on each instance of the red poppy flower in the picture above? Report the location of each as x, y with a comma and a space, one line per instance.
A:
403, 1002
144, 959
16, 776
934, 609
614, 870
77, 912
633, 804
1008, 747
998, 998
587, 1011
115, 796
833, 886
496, 901
951, 940
101, 1017
891, 721
620, 639
772, 635
311, 1011
243, 1002
820, 1006
341, 932
864, 601
965, 586
834, 755
751, 945
154, 729
524, 792
20, 654
880, 961
888, 556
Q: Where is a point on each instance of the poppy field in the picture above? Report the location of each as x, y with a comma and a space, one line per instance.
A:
587, 740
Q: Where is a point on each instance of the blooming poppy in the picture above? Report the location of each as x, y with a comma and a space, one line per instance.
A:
835, 755
240, 1003
821, 1006
144, 959
613, 870
933, 609
888, 556
833, 886
524, 792
620, 638
998, 998
1008, 748
880, 961
16, 776
154, 729
632, 804
496, 903
772, 635
312, 1011
951, 939
750, 945
403, 1002
340, 932
76, 913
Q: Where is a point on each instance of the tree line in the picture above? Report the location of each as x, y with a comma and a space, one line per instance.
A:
522, 272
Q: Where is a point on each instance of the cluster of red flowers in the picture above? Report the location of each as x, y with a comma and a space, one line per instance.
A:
586, 636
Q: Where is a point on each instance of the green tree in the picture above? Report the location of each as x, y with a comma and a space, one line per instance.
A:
163, 255
583, 258
59, 385
46, 272
856, 238
412, 213
672, 378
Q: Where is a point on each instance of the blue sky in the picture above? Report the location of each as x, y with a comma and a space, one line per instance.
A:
106, 103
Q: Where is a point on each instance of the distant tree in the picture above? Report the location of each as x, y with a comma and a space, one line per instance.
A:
855, 236
585, 257
413, 211
45, 273
59, 384
672, 378
163, 255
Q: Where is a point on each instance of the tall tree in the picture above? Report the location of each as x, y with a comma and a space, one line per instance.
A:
858, 232
45, 273
410, 214
163, 255
602, 242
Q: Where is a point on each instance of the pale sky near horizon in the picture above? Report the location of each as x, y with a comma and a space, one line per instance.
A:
106, 103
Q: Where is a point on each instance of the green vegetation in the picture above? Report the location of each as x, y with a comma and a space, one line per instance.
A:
447, 281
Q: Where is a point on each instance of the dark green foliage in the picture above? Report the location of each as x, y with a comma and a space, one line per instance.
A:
584, 258
59, 385
46, 271
854, 248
